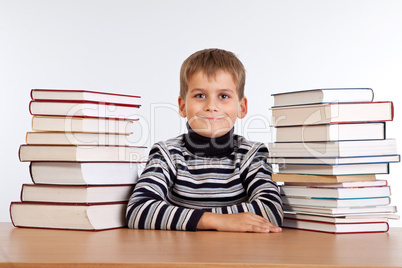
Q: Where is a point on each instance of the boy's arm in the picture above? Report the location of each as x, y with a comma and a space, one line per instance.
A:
147, 207
262, 212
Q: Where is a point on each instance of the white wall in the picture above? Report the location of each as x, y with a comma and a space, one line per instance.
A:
137, 47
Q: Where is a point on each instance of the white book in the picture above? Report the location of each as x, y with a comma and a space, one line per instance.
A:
82, 124
84, 173
335, 160
336, 228
335, 202
82, 153
335, 170
340, 211
333, 148
68, 216
84, 109
331, 132
314, 96
76, 138
331, 113
321, 192
76, 193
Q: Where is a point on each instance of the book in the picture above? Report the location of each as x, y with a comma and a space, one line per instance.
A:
335, 160
99, 216
82, 153
336, 170
356, 211
333, 113
89, 95
282, 177
335, 202
359, 218
336, 228
333, 148
322, 192
314, 96
84, 109
76, 138
345, 184
331, 132
83, 173
82, 124
76, 193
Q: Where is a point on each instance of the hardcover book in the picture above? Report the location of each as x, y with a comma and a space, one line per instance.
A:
330, 113
325, 95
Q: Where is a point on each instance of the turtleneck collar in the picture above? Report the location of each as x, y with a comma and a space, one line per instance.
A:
209, 147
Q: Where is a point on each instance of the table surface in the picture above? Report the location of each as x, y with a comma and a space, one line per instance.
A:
27, 247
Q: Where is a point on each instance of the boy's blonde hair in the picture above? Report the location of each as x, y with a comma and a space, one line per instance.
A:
210, 61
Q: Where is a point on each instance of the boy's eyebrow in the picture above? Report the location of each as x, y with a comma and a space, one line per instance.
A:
220, 90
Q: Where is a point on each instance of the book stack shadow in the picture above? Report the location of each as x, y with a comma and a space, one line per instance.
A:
330, 155
82, 165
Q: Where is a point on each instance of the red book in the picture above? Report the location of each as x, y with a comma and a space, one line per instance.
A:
77, 108
81, 95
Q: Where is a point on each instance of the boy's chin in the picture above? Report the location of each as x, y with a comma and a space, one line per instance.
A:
212, 134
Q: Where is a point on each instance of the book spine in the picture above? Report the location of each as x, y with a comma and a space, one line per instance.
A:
91, 102
88, 91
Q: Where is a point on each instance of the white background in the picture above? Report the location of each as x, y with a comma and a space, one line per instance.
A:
137, 47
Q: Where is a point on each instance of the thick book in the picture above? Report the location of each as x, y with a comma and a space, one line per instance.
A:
324, 95
76, 138
333, 113
282, 177
100, 216
84, 109
359, 218
333, 149
89, 95
335, 202
83, 173
323, 192
335, 160
84, 153
345, 184
331, 132
82, 124
75, 193
336, 170
336, 228
356, 211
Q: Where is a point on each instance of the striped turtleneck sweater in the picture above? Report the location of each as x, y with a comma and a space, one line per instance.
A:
190, 174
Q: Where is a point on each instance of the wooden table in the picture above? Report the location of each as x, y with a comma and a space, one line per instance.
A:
24, 247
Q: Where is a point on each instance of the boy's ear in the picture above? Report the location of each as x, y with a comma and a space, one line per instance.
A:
243, 108
182, 107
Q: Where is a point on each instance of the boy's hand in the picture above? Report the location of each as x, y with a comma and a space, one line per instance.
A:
239, 222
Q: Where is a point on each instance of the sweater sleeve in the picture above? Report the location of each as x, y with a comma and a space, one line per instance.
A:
263, 193
147, 207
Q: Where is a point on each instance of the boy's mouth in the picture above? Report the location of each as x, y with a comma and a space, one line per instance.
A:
212, 118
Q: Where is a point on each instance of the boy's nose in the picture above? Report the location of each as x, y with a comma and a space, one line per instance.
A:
211, 106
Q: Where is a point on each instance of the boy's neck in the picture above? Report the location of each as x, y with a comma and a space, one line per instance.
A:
209, 147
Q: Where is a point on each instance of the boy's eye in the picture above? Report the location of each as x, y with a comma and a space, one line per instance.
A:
200, 95
225, 96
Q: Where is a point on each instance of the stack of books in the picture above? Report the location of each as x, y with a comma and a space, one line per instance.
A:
82, 165
330, 145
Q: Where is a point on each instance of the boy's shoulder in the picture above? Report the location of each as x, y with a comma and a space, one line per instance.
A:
245, 144
172, 143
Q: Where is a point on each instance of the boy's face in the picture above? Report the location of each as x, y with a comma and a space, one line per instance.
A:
212, 105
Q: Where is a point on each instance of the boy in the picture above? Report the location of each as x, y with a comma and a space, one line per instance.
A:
208, 178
